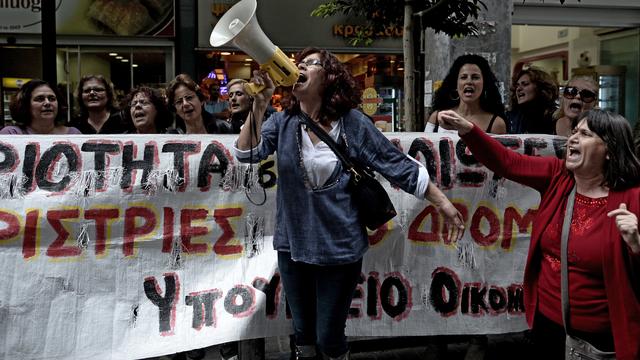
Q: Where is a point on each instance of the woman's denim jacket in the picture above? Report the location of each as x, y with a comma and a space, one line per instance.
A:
320, 225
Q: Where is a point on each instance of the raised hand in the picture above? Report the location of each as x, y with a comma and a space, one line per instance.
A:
263, 98
250, 132
627, 223
451, 120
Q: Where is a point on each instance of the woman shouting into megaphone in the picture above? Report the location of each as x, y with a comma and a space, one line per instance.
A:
319, 233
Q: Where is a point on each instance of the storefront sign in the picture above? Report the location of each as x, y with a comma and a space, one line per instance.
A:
13, 83
91, 17
118, 247
348, 31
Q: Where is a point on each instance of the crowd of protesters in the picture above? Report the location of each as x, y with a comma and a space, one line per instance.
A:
183, 107
601, 163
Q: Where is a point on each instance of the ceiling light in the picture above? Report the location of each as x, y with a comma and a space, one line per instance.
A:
225, 53
113, 54
134, 65
118, 57
125, 60
248, 59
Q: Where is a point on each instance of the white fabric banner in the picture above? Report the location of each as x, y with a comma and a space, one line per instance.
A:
136, 246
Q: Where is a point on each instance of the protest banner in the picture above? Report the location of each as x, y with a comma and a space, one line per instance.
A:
136, 246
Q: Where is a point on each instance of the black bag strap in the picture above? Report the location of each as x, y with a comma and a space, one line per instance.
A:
322, 135
564, 267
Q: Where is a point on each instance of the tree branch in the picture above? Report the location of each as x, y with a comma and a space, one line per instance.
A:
424, 12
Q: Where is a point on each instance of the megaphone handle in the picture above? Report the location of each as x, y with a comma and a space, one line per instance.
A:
253, 89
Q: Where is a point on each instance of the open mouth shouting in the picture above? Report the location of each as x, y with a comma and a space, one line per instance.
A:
575, 107
468, 91
573, 153
139, 115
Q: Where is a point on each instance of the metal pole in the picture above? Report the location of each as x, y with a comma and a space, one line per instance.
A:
130, 69
67, 74
49, 42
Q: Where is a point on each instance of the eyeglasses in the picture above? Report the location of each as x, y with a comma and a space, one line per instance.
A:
187, 98
142, 102
95, 89
310, 62
570, 92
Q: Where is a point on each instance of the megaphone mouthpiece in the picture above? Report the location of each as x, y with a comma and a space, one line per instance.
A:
235, 26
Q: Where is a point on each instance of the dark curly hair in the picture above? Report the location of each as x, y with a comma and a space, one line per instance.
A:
163, 117
20, 106
341, 93
187, 81
111, 103
546, 89
622, 169
490, 101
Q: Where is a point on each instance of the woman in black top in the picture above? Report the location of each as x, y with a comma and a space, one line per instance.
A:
470, 89
98, 113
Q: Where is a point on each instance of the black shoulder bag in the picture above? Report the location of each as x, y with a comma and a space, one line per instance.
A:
373, 203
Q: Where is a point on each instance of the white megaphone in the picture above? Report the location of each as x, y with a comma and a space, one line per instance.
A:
239, 27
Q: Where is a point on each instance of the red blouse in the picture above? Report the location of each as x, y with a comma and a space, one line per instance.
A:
589, 309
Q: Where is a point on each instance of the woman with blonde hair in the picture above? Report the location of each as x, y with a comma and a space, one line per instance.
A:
239, 103
578, 96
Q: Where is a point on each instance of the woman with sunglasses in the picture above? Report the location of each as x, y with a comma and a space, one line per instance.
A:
578, 96
603, 240
36, 110
533, 102
470, 89
98, 112
319, 239
186, 99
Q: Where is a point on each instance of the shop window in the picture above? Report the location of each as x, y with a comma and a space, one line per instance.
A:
124, 67
382, 74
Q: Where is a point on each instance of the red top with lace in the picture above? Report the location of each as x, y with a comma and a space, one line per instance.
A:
589, 310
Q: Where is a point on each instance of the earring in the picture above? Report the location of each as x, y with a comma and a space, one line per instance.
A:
456, 98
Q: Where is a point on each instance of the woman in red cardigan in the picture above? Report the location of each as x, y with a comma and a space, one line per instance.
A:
604, 243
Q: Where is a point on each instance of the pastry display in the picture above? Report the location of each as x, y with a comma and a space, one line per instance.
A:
128, 17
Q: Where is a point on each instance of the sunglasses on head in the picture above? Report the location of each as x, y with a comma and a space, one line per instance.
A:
570, 92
